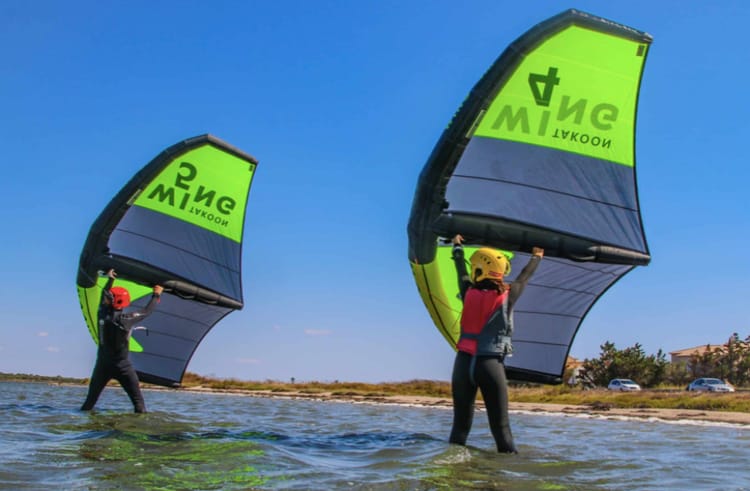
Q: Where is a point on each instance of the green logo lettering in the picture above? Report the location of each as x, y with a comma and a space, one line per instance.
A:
506, 114
187, 173
542, 86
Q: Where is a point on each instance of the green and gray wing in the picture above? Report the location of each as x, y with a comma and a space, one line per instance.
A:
178, 223
541, 153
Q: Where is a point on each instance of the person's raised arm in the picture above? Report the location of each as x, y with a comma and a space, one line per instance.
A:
155, 298
106, 293
518, 285
464, 280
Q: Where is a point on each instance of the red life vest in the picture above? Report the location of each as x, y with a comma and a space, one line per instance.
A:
478, 306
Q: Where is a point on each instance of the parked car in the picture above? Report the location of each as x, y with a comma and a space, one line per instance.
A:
710, 385
623, 384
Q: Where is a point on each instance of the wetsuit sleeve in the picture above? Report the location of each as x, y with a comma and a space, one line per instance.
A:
134, 316
464, 281
106, 292
517, 287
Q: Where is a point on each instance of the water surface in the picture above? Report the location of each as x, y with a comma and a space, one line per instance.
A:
220, 441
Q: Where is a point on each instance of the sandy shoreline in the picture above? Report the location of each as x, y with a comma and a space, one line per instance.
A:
669, 415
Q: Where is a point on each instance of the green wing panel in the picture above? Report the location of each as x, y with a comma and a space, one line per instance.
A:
206, 187
576, 91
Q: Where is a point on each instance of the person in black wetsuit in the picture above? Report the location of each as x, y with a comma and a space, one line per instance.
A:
112, 357
486, 328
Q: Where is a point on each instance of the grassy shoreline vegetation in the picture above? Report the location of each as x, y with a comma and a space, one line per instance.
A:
663, 398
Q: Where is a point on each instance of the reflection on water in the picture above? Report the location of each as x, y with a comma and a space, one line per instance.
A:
219, 441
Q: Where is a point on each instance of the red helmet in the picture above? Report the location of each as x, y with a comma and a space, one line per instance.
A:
121, 297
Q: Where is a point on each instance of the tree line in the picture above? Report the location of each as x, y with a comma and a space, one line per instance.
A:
730, 362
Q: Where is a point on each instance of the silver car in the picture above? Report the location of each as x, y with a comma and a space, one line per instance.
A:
623, 384
710, 385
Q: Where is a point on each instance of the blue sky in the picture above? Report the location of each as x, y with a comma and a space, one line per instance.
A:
342, 102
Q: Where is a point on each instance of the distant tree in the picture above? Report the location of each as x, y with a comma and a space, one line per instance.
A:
655, 367
735, 362
742, 367
597, 371
677, 374
632, 363
729, 362
704, 364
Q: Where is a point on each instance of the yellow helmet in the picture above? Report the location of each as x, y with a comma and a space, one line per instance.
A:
487, 263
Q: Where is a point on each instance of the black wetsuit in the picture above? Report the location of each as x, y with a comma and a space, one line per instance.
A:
112, 361
484, 372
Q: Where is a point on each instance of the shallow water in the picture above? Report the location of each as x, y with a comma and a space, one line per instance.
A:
218, 441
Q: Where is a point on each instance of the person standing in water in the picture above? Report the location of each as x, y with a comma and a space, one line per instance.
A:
485, 340
112, 357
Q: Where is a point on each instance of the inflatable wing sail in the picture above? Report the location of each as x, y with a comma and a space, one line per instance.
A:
541, 153
178, 223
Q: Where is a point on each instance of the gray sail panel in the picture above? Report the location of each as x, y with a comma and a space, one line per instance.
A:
195, 254
553, 190
173, 332
550, 310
